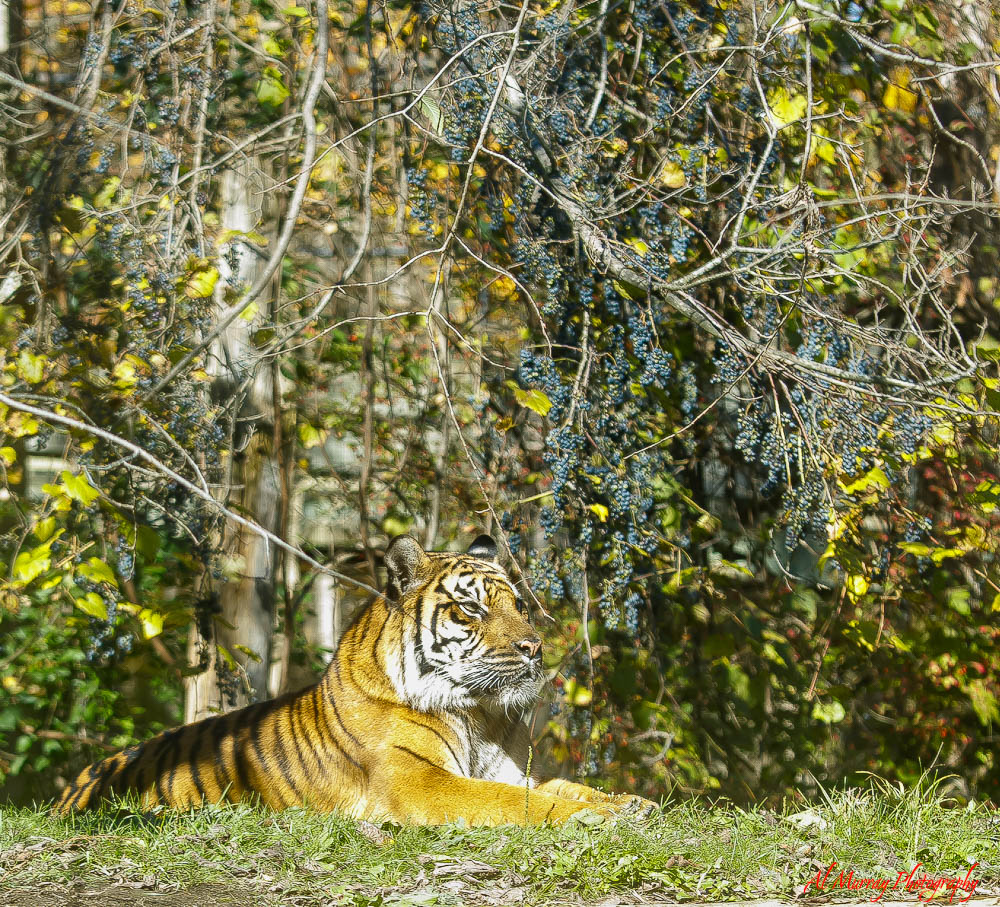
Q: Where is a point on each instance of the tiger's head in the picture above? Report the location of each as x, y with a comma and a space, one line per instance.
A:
466, 639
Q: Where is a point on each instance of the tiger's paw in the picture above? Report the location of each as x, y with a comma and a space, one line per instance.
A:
635, 807
621, 806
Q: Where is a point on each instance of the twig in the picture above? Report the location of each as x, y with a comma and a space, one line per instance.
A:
111, 438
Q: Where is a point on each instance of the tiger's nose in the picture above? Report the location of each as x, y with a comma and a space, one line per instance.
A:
530, 647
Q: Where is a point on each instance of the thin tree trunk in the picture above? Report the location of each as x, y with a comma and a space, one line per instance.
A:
324, 625
239, 650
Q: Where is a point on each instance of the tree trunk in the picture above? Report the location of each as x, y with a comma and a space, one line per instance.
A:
239, 647
323, 625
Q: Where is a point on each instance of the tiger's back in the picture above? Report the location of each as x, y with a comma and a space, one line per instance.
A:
275, 751
417, 718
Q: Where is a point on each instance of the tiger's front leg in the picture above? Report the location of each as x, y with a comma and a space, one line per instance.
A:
627, 803
413, 790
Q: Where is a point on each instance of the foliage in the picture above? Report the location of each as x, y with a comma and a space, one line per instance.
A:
693, 302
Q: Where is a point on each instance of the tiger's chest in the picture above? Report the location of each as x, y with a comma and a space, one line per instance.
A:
494, 750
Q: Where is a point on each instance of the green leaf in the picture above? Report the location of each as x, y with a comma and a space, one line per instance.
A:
31, 564
31, 367
958, 600
984, 703
92, 604
534, 400
250, 653
148, 542
97, 571
270, 89
829, 712
78, 488
433, 113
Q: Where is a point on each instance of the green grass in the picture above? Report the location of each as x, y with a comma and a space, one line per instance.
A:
690, 852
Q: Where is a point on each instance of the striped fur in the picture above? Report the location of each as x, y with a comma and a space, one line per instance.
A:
417, 719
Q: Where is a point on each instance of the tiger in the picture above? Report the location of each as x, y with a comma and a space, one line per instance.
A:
418, 719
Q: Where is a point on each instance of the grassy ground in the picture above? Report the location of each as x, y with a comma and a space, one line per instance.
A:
690, 852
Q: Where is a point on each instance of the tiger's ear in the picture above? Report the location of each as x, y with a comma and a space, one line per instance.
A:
484, 547
403, 559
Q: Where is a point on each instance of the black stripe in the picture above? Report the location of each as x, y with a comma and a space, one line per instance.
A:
254, 729
133, 764
77, 794
296, 717
295, 740
239, 759
440, 737
333, 736
169, 743
82, 798
282, 757
333, 702
377, 642
193, 755
423, 665
222, 779
417, 756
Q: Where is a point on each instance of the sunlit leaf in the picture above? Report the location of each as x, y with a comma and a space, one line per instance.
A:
92, 604
78, 488
201, 284
270, 89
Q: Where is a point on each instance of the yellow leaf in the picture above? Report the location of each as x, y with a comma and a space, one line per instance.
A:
857, 586
601, 511
638, 245
97, 571
45, 528
103, 198
201, 283
78, 488
504, 288
534, 400
152, 623
672, 176
787, 108
29, 565
7, 455
124, 375
576, 693
874, 478
897, 94
310, 436
250, 312
31, 367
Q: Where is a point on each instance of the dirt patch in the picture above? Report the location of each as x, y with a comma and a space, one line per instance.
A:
95, 895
